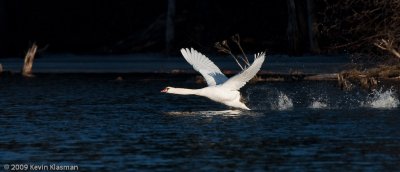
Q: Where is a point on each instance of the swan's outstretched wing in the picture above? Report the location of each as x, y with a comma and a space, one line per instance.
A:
211, 73
238, 81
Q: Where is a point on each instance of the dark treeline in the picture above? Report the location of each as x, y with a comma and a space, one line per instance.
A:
126, 26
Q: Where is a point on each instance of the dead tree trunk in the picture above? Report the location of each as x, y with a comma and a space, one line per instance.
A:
312, 29
292, 28
28, 61
301, 30
3, 25
170, 28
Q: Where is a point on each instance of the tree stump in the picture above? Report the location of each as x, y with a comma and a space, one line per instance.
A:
28, 61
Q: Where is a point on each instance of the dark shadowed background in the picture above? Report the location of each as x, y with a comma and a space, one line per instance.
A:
126, 26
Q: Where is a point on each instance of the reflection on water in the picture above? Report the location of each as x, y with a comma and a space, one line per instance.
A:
102, 125
208, 113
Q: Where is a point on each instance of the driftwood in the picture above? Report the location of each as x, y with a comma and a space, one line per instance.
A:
322, 77
344, 84
368, 82
28, 61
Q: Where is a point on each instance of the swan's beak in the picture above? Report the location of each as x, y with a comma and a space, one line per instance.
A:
164, 90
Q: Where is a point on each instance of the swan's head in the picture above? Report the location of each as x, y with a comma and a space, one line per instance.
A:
166, 89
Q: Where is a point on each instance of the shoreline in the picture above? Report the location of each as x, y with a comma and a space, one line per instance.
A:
157, 63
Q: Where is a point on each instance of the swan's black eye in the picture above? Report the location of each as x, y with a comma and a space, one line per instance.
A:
165, 90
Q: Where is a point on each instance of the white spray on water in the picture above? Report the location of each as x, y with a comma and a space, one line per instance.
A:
382, 99
318, 104
284, 102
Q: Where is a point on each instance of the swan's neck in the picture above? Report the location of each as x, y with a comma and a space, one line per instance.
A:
183, 91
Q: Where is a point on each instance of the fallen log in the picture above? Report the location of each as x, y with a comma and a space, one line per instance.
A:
322, 77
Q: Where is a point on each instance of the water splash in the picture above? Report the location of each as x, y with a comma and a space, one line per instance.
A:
382, 99
318, 104
283, 103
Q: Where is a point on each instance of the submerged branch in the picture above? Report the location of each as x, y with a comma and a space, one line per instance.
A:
224, 47
236, 39
241, 67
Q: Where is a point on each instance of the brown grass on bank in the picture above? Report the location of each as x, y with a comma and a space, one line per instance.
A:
368, 78
381, 71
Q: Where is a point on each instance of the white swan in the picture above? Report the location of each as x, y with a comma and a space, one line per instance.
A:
220, 88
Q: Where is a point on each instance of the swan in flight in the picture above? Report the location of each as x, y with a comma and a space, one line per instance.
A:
220, 88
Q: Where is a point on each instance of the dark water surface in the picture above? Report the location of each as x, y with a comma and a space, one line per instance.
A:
100, 124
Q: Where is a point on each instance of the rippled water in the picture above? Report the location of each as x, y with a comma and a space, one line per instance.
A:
100, 124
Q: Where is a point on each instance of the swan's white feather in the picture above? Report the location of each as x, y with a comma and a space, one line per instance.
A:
211, 73
220, 89
238, 81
